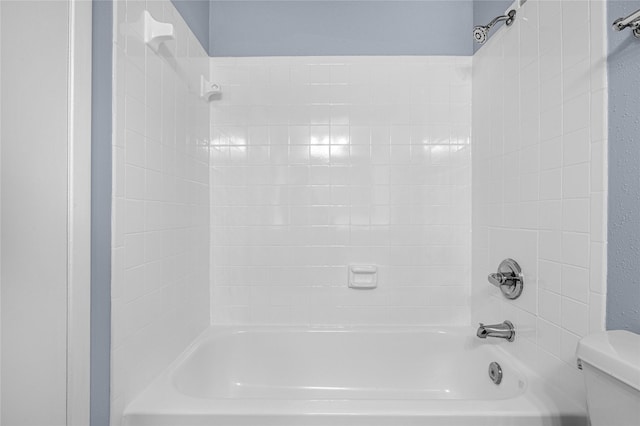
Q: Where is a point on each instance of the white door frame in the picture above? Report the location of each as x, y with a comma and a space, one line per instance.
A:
79, 213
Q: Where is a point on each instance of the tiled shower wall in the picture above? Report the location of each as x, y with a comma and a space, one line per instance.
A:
539, 179
160, 220
318, 163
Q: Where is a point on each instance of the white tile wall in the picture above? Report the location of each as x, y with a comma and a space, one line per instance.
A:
160, 259
539, 179
320, 162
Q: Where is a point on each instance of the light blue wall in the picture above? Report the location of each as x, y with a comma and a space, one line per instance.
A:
623, 281
101, 211
337, 27
312, 27
196, 15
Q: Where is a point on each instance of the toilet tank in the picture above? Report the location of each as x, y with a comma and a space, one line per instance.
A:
611, 366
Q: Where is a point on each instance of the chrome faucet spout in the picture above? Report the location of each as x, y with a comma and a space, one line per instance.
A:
505, 330
482, 331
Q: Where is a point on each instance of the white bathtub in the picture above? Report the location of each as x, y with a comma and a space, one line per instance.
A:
259, 376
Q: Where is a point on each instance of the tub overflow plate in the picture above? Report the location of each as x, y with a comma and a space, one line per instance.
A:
495, 373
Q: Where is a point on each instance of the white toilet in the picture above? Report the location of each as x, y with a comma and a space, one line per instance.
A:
611, 366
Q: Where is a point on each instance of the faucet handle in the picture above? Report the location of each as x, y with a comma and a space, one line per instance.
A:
497, 278
509, 278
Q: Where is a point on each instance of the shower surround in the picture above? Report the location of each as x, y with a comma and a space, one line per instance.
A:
160, 217
322, 162
246, 211
539, 180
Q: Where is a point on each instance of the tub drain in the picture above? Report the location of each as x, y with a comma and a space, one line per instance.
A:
495, 373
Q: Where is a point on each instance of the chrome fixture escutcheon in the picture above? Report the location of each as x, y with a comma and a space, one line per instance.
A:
495, 373
509, 279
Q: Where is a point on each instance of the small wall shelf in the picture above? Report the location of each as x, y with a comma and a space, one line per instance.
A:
156, 33
208, 89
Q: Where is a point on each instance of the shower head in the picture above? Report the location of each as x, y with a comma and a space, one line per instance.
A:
481, 32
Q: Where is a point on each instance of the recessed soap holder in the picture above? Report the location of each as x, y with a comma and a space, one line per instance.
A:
363, 276
155, 32
509, 279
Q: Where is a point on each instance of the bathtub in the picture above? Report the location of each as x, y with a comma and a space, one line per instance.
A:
275, 376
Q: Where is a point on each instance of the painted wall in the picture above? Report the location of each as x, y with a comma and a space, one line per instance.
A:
259, 28
34, 212
295, 28
101, 133
160, 232
196, 14
623, 297
318, 163
539, 180
0, 212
